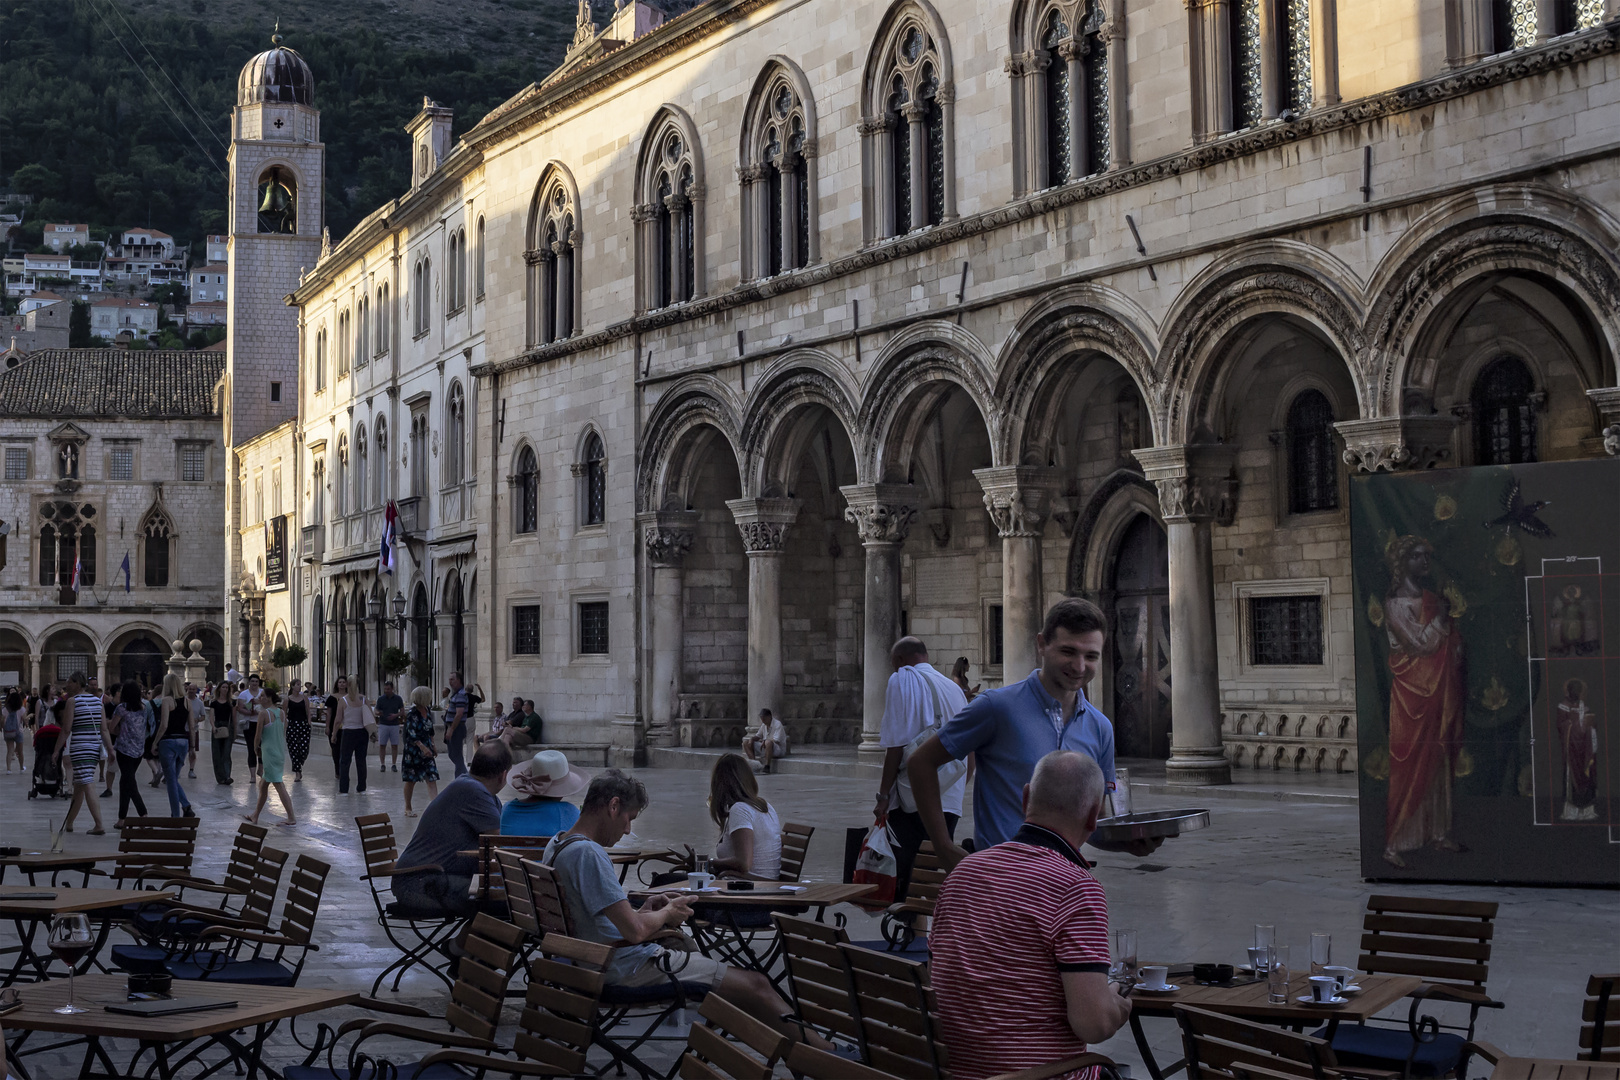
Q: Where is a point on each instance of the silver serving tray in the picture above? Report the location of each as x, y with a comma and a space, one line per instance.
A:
1152, 825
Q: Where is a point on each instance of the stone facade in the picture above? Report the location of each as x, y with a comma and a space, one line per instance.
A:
711, 465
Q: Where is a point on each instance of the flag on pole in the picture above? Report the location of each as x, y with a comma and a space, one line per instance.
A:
76, 569
125, 569
385, 558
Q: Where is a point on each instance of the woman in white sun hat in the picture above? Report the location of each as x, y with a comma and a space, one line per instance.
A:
536, 789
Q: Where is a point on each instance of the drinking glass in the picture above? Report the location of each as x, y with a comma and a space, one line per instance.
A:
1121, 794
1321, 952
1264, 935
1125, 946
1277, 975
70, 939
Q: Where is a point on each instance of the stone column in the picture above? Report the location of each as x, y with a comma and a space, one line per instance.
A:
764, 524
917, 116
34, 660
882, 514
1018, 498
1196, 490
1324, 53
177, 658
668, 535
101, 670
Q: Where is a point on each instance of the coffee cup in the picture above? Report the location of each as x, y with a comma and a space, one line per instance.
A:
1154, 976
1257, 958
697, 880
1324, 988
1341, 974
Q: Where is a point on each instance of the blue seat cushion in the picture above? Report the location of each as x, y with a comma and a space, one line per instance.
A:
1387, 1047
651, 995
406, 1069
140, 959
150, 921
916, 949
215, 967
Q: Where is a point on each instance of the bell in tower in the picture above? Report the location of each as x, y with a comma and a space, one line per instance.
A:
278, 202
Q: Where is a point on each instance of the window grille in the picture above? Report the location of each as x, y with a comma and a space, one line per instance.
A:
1059, 147
1247, 97
1285, 630
1295, 43
1504, 415
1096, 57
997, 634
123, 464
595, 482
593, 628
526, 630
193, 464
16, 463
1313, 473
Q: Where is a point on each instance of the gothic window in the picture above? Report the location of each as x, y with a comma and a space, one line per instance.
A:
593, 474
362, 331
1063, 82
278, 201
778, 148
455, 435
525, 493
380, 496
344, 343
421, 285
320, 359
1294, 54
317, 502
478, 262
67, 535
156, 535
1504, 414
1248, 97
669, 214
455, 285
340, 481
554, 261
450, 261
908, 125
419, 449
1313, 470
362, 463
383, 322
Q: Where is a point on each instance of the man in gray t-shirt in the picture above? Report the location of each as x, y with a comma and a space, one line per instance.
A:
599, 910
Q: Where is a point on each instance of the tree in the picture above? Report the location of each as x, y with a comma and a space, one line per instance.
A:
394, 660
79, 325
36, 180
289, 656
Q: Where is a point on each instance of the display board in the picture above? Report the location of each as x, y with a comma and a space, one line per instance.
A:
1487, 629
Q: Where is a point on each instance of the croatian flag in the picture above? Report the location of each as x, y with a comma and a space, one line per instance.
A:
75, 570
125, 569
385, 559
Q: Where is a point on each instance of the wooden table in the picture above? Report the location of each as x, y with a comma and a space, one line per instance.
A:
26, 915
1249, 1002
1554, 1069
54, 862
167, 1037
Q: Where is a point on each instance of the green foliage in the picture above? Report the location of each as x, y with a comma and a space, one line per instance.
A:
89, 137
289, 656
79, 325
395, 660
208, 335
168, 339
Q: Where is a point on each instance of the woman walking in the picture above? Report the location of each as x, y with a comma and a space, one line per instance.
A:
224, 709
272, 750
297, 729
13, 722
174, 742
419, 764
334, 707
128, 729
81, 712
354, 737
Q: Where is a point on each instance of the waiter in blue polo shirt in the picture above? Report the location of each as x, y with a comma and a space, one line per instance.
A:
1012, 728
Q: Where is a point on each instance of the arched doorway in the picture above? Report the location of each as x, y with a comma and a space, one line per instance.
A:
142, 661
318, 618
1140, 589
421, 638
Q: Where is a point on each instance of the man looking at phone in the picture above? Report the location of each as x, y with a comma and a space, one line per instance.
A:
1020, 937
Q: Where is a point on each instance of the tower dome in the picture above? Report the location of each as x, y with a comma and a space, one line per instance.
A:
277, 75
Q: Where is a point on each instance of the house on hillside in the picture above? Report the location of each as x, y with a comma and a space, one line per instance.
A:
61, 237
201, 316
43, 326
218, 250
115, 317
145, 257
207, 283
39, 299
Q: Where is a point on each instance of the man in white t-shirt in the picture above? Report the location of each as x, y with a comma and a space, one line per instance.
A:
918, 701
767, 741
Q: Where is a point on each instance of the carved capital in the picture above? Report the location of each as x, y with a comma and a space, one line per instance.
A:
763, 523
668, 535
1396, 443
1194, 482
873, 126
881, 513
643, 212
1018, 497
1607, 400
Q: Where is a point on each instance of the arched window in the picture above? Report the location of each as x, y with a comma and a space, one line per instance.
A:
383, 322
453, 256
455, 436
1313, 467
318, 617
362, 331
422, 634
422, 285
478, 262
156, 534
419, 444
66, 536
278, 201
320, 359
779, 145
380, 498
908, 126
553, 257
1062, 82
344, 343
340, 502
362, 471
594, 479
317, 494
1262, 86
669, 215
525, 493
1504, 413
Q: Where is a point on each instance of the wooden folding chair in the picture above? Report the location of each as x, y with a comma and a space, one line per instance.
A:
240, 871
1447, 943
491, 883
896, 1010
795, 846
902, 919
153, 849
1220, 1047
823, 990
258, 956
1600, 1019
431, 933
732, 1045
168, 930
812, 1064
520, 910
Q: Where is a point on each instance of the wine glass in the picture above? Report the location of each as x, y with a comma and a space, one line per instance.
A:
70, 940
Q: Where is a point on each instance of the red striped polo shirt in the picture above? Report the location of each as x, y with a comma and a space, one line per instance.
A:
1009, 920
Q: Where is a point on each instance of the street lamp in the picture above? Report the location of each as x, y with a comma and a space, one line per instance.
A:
375, 607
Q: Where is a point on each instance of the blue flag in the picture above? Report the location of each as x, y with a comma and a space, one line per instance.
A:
125, 569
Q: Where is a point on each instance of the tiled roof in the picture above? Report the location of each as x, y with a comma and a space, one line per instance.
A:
136, 385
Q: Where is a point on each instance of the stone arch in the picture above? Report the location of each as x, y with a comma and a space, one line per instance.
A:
1036, 363
901, 14
773, 431
924, 74
917, 369
1424, 285
1274, 277
1112, 508
671, 129
780, 113
776, 66
694, 402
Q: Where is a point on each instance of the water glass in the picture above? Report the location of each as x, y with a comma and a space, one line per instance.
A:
1277, 975
1120, 793
1321, 952
1264, 936
1125, 946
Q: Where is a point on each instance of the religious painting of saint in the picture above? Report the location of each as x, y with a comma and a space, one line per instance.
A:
1578, 736
1427, 704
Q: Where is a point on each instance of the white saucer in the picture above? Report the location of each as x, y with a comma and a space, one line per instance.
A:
1351, 989
1168, 988
1309, 1000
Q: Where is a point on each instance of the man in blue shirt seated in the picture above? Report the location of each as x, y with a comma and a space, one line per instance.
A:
599, 910
464, 811
1012, 728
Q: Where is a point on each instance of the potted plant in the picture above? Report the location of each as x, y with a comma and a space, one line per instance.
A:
395, 660
289, 656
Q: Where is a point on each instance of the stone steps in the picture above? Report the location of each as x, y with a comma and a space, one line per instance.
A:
811, 760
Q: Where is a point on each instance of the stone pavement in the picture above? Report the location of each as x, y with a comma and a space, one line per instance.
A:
1288, 861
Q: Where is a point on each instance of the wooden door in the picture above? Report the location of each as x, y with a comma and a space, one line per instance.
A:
1141, 631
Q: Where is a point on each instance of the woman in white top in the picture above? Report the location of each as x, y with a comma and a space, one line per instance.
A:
750, 832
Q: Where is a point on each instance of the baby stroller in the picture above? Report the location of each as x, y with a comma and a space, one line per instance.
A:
47, 772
